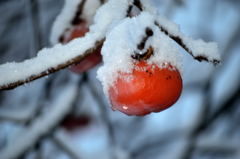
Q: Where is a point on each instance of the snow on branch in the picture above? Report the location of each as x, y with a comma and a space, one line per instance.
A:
199, 49
46, 62
41, 125
50, 60
107, 18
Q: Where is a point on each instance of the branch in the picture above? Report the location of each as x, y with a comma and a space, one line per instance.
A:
199, 49
4, 85
184, 42
77, 17
61, 56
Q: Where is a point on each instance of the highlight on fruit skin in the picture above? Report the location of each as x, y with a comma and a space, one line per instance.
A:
90, 61
147, 89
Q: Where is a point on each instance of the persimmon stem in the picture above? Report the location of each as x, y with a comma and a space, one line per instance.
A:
146, 55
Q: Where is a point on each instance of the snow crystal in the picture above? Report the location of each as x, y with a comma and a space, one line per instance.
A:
122, 42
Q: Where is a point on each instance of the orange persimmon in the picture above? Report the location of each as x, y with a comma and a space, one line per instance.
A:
147, 89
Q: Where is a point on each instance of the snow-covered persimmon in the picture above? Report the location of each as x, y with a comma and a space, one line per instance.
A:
147, 89
90, 61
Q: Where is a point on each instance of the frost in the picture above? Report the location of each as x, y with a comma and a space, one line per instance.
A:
122, 42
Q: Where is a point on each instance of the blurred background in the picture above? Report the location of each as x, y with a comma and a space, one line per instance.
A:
66, 115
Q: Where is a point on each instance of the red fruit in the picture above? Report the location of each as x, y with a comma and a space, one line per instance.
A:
90, 61
147, 89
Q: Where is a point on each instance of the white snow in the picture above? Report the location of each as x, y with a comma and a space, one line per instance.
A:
63, 20
41, 125
198, 47
46, 58
111, 12
90, 9
122, 41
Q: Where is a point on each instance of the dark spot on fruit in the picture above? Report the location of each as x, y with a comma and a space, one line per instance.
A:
168, 77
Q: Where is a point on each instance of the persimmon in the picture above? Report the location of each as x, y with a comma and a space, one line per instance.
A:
147, 89
90, 61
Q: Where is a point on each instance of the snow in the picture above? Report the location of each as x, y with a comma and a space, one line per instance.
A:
47, 58
109, 15
198, 47
90, 9
117, 53
41, 125
64, 19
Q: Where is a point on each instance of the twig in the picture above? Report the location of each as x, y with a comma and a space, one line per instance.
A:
180, 41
